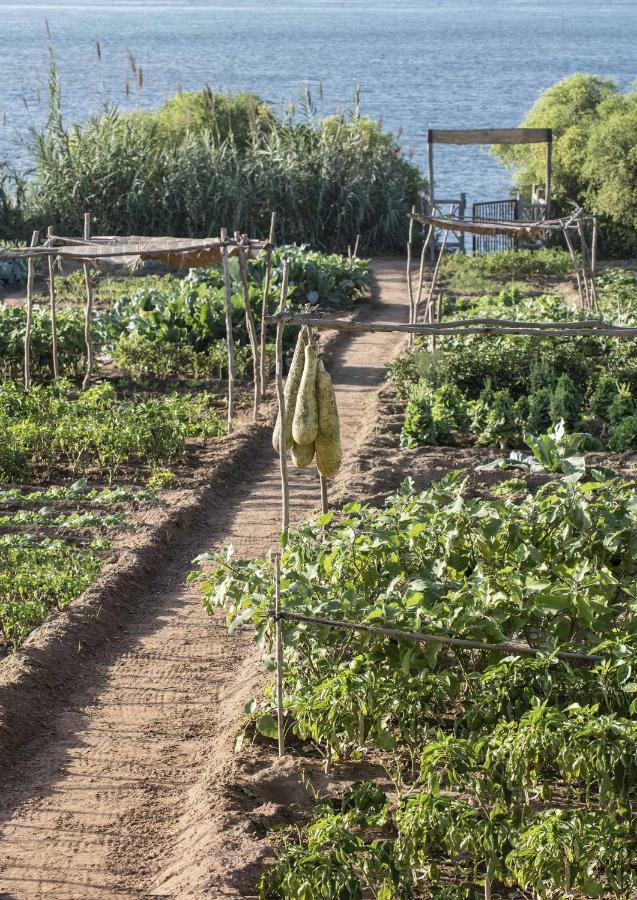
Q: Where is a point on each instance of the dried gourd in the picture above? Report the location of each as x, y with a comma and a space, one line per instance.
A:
302, 454
328, 437
305, 421
291, 390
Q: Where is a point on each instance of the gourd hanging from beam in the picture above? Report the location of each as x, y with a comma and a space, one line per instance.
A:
328, 437
291, 390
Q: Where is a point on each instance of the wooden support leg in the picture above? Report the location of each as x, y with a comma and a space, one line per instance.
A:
283, 465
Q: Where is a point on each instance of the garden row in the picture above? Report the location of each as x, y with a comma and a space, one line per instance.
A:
497, 773
505, 391
511, 771
150, 422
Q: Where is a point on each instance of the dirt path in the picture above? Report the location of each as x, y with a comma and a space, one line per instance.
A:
118, 799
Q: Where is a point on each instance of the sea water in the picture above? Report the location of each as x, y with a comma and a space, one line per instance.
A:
420, 63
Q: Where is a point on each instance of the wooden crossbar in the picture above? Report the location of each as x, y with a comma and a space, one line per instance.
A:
490, 136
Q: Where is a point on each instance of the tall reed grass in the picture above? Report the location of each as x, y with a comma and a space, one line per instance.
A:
205, 161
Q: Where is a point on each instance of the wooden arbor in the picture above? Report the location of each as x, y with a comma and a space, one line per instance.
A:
191, 253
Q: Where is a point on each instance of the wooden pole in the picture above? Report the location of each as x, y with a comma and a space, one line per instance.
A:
264, 306
279, 654
54, 327
594, 247
549, 167
571, 250
421, 272
252, 331
423, 638
35, 237
357, 245
430, 153
229, 340
324, 498
429, 309
88, 311
283, 463
410, 291
548, 329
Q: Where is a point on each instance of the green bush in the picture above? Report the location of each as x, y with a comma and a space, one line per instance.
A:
51, 427
594, 157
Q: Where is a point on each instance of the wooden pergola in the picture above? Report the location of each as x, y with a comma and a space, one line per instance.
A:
129, 252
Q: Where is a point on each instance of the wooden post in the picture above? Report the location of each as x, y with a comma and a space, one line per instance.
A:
462, 210
54, 327
264, 305
585, 263
357, 245
88, 311
279, 654
410, 292
549, 166
324, 498
430, 153
229, 340
35, 237
594, 247
252, 331
434, 279
421, 273
283, 463
571, 249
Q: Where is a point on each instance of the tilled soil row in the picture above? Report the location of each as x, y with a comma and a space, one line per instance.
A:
121, 790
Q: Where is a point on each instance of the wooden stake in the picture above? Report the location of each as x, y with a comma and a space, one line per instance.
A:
357, 245
279, 654
410, 291
569, 244
264, 305
35, 237
88, 311
283, 463
54, 327
229, 341
594, 247
324, 499
421, 271
252, 331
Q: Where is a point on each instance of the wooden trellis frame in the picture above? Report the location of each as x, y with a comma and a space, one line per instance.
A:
130, 251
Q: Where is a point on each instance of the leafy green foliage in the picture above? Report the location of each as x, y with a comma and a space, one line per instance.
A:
38, 576
594, 127
207, 161
519, 770
526, 384
49, 427
510, 264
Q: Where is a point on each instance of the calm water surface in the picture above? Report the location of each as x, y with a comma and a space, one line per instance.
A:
420, 63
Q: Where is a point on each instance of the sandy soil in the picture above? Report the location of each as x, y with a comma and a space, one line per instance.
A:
120, 777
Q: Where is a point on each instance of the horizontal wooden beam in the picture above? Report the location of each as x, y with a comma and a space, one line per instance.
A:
490, 136
420, 637
575, 329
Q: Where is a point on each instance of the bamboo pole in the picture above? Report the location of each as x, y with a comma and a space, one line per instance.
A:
283, 463
577, 329
264, 305
279, 654
54, 327
252, 333
229, 339
594, 246
35, 237
88, 311
422, 638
